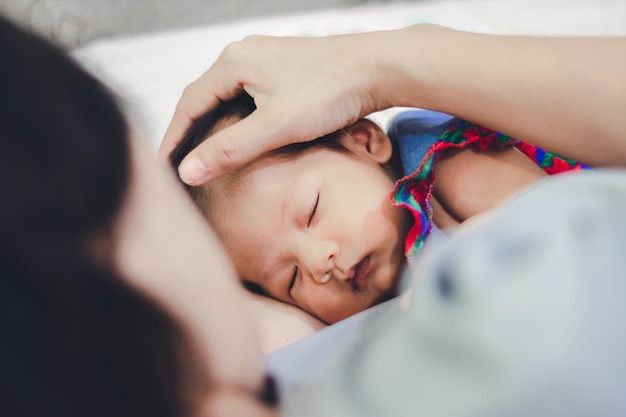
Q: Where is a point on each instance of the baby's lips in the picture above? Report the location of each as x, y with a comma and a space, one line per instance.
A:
357, 275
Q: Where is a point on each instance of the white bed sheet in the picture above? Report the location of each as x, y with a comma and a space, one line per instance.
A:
150, 71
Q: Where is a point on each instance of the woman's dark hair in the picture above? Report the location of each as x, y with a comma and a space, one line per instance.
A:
75, 338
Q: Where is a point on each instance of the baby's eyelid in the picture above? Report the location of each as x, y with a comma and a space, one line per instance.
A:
313, 211
293, 280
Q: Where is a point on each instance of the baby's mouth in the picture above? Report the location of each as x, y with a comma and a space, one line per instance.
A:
357, 275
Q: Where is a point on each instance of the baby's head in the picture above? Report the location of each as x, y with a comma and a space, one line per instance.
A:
309, 224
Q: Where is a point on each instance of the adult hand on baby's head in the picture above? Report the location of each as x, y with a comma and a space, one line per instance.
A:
303, 88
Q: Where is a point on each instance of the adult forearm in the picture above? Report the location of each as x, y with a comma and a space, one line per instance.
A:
564, 94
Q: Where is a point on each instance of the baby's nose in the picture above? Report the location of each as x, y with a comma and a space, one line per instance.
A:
320, 259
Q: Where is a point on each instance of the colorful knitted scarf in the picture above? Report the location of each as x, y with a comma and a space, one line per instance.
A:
413, 192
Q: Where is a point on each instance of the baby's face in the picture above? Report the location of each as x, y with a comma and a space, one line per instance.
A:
317, 231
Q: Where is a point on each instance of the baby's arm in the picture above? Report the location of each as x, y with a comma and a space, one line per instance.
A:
471, 181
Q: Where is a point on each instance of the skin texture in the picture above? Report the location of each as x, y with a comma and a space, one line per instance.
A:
311, 219
560, 102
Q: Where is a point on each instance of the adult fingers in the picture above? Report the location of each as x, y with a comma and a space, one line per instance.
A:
236, 145
199, 97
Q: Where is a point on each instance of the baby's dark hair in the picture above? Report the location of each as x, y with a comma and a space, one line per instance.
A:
238, 108
207, 125
225, 113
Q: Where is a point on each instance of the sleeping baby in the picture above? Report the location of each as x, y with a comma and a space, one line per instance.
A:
329, 225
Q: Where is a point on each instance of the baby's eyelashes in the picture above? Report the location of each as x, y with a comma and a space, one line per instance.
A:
293, 280
312, 216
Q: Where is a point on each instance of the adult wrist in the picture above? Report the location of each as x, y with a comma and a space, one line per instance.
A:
412, 61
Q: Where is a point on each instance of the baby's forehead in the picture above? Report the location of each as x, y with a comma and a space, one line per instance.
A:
287, 157
254, 173
267, 172
261, 183
245, 201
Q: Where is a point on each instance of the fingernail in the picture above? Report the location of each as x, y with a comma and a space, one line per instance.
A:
193, 171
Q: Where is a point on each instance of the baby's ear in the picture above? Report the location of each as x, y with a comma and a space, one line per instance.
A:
364, 137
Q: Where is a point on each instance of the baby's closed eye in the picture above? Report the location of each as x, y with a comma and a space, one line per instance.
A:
313, 215
292, 282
